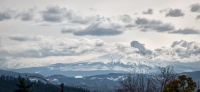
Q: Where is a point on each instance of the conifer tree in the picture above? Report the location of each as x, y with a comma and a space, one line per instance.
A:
22, 86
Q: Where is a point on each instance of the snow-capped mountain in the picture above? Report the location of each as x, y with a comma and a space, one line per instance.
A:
95, 68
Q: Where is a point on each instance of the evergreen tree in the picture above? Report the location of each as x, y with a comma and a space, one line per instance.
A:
7, 84
22, 86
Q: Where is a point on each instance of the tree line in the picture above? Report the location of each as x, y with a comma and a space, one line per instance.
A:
20, 84
167, 80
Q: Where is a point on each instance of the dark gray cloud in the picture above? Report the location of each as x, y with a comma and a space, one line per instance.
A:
25, 38
98, 30
26, 15
54, 14
175, 13
6, 14
125, 18
186, 31
153, 25
158, 26
195, 7
149, 11
58, 14
101, 27
140, 47
198, 17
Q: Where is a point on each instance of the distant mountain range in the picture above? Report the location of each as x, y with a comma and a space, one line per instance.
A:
97, 68
100, 82
100, 75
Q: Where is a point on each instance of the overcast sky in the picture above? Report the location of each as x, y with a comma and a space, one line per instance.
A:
37, 33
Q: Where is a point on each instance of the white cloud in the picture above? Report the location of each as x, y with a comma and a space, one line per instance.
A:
55, 49
179, 51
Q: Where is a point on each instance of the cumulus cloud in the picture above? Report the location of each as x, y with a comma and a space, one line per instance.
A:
158, 26
6, 14
26, 15
174, 13
186, 49
198, 17
140, 47
47, 47
137, 45
149, 11
182, 51
58, 14
186, 31
125, 18
54, 14
153, 25
195, 7
102, 27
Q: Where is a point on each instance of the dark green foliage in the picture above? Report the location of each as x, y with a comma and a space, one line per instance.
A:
22, 86
8, 84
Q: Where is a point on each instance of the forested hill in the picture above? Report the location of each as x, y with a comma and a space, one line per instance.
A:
8, 84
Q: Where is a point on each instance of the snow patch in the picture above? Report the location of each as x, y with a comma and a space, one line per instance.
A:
78, 76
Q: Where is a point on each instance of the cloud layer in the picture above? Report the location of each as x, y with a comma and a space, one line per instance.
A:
78, 24
42, 47
22, 50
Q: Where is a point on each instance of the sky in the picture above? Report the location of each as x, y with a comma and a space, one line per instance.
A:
39, 33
